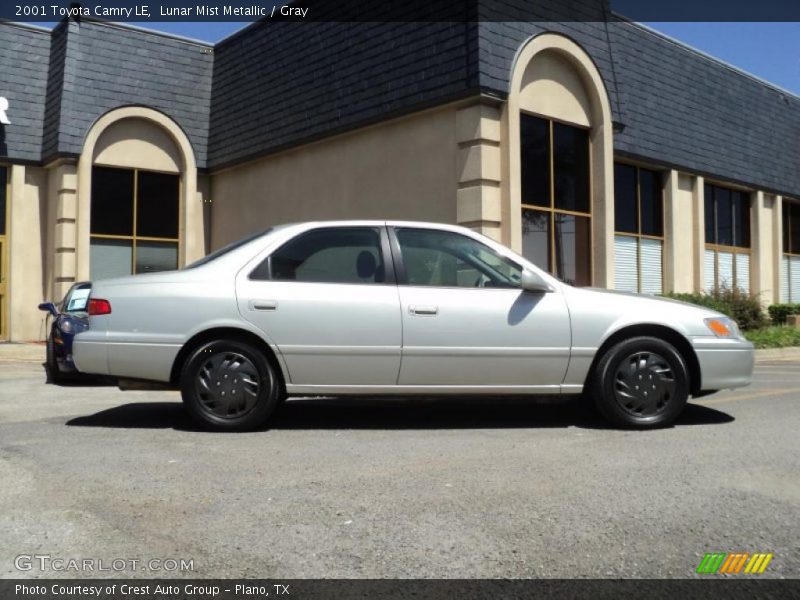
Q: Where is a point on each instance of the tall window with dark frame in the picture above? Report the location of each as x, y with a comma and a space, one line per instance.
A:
556, 198
639, 229
790, 264
134, 222
727, 232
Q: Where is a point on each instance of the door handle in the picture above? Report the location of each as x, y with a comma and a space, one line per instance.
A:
424, 310
264, 305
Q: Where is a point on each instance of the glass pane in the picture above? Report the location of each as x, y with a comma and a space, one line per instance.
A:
794, 279
711, 230
157, 208
3, 183
709, 268
652, 280
536, 237
786, 278
444, 259
625, 217
156, 256
743, 272
651, 202
342, 255
722, 199
794, 228
110, 258
572, 249
725, 270
740, 202
534, 160
112, 201
787, 236
571, 167
626, 263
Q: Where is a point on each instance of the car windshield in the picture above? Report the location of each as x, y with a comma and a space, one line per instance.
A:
226, 249
76, 299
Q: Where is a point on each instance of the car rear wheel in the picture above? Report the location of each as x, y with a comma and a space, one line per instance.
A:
641, 382
230, 386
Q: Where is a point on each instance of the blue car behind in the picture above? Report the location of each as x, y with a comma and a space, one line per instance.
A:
69, 317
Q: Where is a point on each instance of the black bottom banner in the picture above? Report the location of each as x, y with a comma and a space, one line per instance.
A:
344, 589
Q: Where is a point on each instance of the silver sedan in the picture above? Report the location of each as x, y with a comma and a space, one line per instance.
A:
382, 307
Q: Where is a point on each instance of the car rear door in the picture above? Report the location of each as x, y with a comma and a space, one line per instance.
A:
328, 299
466, 320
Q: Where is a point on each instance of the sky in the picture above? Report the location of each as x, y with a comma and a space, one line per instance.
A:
770, 51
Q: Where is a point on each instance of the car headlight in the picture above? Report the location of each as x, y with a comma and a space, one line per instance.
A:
66, 326
723, 327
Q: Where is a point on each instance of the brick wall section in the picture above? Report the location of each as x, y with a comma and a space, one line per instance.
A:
107, 67
684, 109
23, 81
55, 90
279, 84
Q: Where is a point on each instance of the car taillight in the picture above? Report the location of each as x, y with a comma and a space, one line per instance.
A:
98, 306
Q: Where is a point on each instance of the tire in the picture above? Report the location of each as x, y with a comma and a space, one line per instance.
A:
641, 383
54, 375
230, 385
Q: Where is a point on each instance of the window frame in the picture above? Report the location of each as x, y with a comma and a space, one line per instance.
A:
787, 226
133, 238
717, 248
793, 252
390, 277
400, 267
639, 235
550, 209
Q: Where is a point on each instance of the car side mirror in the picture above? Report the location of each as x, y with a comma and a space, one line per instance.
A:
533, 282
49, 307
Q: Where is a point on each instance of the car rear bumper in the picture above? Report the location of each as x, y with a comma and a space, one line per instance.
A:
94, 353
724, 364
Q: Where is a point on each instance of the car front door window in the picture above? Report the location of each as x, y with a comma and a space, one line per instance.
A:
445, 259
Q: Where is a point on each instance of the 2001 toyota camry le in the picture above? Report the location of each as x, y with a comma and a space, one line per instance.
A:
381, 307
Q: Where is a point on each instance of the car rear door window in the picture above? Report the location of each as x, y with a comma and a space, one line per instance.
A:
330, 255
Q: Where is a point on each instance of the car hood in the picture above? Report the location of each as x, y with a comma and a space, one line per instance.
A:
650, 297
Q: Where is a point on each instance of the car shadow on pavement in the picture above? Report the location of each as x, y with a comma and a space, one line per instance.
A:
333, 413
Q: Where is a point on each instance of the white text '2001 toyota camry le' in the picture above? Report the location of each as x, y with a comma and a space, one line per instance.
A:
378, 308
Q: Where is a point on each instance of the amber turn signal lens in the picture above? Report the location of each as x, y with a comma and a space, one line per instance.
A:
718, 327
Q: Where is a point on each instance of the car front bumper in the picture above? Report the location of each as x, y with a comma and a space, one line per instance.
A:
724, 364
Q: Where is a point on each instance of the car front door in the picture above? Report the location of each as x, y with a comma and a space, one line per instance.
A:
328, 299
466, 320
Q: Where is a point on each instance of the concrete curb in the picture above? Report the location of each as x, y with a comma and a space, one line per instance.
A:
767, 354
35, 352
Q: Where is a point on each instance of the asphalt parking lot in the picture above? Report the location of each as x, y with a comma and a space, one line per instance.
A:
414, 488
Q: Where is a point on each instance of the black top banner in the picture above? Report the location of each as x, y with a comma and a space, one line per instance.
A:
400, 10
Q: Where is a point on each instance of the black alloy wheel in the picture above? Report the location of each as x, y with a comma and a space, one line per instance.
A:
641, 382
230, 385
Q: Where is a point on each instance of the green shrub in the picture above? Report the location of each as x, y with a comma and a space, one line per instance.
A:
744, 308
779, 312
774, 337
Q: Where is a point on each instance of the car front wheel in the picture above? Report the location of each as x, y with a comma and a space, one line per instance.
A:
52, 371
641, 382
230, 386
